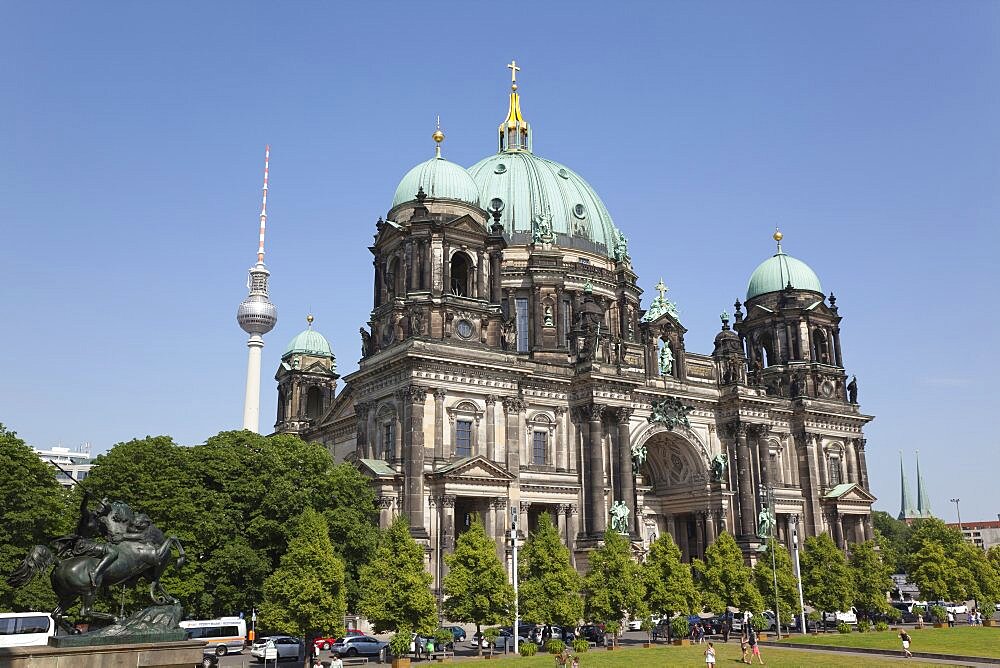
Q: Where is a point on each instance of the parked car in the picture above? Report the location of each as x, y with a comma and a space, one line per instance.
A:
540, 634
849, 617
772, 622
288, 647
326, 642
457, 632
592, 633
358, 646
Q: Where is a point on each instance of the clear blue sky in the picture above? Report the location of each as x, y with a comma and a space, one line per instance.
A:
134, 135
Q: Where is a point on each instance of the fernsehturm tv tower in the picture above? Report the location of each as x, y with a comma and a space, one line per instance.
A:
257, 316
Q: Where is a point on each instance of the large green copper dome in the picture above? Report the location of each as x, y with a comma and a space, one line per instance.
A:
438, 178
774, 273
309, 342
531, 187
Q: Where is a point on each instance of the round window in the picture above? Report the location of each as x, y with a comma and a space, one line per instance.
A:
579, 211
464, 328
500, 168
563, 173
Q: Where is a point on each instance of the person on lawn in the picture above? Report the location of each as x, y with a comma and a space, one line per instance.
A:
905, 637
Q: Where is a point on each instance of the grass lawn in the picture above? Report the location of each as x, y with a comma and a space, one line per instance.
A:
965, 640
726, 655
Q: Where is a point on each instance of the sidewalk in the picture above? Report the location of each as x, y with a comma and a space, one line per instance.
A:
948, 659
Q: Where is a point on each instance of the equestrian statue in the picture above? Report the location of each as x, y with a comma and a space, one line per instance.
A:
112, 545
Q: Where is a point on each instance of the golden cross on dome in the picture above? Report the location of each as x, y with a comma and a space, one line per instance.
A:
662, 289
514, 69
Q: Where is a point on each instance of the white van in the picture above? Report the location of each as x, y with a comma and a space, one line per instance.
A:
224, 635
22, 629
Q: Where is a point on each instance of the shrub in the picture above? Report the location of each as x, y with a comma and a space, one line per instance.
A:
399, 645
843, 628
580, 646
864, 626
939, 614
679, 627
612, 628
881, 626
894, 614
528, 649
759, 623
555, 646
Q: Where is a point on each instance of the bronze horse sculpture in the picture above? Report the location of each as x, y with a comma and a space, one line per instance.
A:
133, 548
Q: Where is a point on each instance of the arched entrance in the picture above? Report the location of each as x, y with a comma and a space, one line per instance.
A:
679, 499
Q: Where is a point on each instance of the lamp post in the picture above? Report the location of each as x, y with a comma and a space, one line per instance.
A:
958, 512
798, 572
513, 551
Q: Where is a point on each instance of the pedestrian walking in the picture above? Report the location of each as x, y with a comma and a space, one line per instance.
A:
336, 662
905, 637
710, 656
754, 647
951, 619
744, 645
725, 631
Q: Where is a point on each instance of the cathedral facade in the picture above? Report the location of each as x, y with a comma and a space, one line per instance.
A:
509, 369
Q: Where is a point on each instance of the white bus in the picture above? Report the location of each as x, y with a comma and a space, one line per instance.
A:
224, 635
21, 629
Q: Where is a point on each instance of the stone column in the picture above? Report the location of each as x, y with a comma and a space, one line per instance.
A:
562, 447
836, 528
710, 527
513, 406
699, 534
836, 343
363, 449
790, 521
573, 521
859, 529
448, 533
385, 514
682, 537
760, 432
561, 511
814, 515
491, 427
439, 455
499, 505
625, 487
594, 451
862, 463
558, 310
852, 461
522, 517
738, 430
480, 276
413, 457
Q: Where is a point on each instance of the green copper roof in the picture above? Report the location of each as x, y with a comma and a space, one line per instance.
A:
774, 273
438, 178
840, 490
531, 187
309, 342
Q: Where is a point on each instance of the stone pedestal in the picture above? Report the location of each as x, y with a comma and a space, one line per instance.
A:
178, 654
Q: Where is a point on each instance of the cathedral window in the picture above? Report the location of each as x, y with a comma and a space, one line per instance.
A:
461, 275
521, 315
566, 319
463, 438
388, 439
314, 403
836, 473
539, 447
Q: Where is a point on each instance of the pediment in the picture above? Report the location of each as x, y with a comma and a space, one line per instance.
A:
372, 468
474, 468
850, 493
468, 224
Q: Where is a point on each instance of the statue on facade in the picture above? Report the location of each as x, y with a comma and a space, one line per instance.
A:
508, 335
852, 390
112, 545
416, 322
619, 517
620, 246
366, 342
765, 523
756, 372
670, 413
639, 454
718, 469
666, 359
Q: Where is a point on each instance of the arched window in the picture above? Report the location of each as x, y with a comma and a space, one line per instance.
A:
461, 275
281, 405
767, 349
836, 472
394, 278
314, 403
821, 349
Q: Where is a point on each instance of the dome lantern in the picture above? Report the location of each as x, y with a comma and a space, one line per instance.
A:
515, 134
781, 271
438, 178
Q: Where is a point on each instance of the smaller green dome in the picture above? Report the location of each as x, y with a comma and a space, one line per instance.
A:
438, 178
309, 342
774, 273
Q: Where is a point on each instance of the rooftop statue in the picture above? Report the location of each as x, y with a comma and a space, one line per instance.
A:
666, 359
112, 545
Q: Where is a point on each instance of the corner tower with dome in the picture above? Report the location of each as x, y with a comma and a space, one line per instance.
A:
509, 369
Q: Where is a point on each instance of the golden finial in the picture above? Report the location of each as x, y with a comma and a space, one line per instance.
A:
438, 137
309, 320
778, 236
514, 69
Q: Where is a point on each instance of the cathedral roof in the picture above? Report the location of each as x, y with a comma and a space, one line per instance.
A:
309, 342
438, 178
777, 272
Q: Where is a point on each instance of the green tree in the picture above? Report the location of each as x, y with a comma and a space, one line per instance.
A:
613, 587
476, 584
724, 579
984, 585
668, 582
896, 534
305, 594
933, 564
395, 587
827, 581
33, 510
788, 586
872, 579
548, 585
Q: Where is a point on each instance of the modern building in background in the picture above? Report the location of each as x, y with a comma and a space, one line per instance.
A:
71, 466
509, 369
983, 535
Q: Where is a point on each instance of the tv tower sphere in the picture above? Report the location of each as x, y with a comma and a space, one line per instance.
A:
256, 314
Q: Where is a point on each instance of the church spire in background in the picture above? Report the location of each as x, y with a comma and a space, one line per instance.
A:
906, 511
923, 504
256, 316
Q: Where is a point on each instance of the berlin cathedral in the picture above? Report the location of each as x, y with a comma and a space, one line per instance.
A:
508, 370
